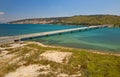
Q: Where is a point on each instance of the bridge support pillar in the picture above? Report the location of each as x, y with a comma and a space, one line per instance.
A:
30, 38
71, 32
60, 33
47, 35
17, 40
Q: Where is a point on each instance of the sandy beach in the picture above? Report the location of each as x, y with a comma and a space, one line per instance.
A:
23, 43
45, 60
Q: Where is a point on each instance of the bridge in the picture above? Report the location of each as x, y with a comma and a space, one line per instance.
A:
11, 39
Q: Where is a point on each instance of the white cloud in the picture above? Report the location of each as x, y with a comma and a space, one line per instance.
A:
2, 13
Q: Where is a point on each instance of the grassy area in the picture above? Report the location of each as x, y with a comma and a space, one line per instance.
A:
5, 45
89, 64
77, 20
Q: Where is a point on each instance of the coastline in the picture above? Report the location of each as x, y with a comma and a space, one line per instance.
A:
79, 49
23, 43
17, 57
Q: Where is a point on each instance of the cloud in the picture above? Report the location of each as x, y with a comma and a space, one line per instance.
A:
2, 13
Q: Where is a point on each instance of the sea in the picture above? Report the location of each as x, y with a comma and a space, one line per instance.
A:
104, 39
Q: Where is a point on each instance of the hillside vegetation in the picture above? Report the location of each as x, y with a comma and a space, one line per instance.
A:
30, 60
74, 20
93, 20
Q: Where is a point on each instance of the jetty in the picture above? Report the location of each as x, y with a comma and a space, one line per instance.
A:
12, 39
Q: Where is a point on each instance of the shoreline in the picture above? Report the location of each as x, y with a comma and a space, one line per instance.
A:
80, 49
23, 43
25, 54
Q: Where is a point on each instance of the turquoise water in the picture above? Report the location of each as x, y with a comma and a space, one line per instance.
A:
107, 39
18, 29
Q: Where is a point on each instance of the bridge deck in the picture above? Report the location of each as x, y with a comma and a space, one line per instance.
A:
10, 39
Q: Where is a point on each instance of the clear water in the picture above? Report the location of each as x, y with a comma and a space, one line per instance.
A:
106, 39
19, 29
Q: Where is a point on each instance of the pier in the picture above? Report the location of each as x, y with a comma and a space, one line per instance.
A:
12, 39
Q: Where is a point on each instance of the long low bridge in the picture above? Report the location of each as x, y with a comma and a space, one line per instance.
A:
11, 39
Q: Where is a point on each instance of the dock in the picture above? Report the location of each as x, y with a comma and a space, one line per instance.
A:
12, 39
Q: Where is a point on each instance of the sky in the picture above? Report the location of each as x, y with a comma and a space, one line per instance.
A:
11, 10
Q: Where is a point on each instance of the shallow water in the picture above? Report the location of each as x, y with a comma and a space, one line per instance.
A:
105, 39
19, 29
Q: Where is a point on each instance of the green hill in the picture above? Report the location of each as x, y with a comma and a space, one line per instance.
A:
74, 20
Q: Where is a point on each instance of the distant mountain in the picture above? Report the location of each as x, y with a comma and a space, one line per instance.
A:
74, 20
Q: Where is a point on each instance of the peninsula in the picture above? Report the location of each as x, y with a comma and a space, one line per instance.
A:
112, 20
